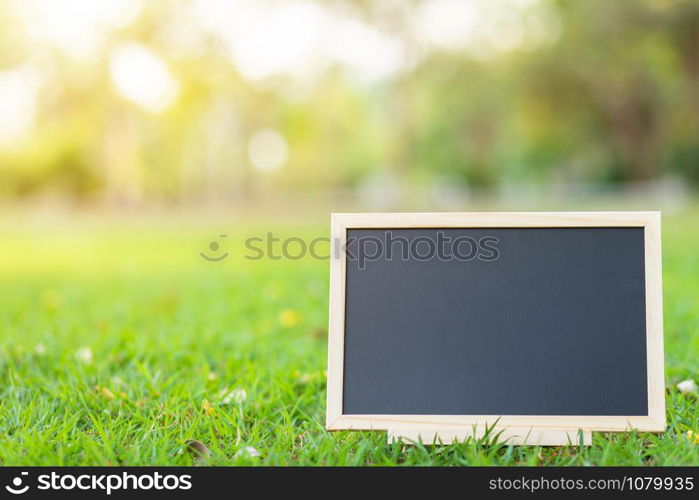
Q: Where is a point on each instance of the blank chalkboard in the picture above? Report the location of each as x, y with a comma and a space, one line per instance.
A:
538, 320
554, 326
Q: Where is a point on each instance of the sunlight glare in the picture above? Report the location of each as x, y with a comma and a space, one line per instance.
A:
18, 102
447, 24
297, 38
142, 77
77, 27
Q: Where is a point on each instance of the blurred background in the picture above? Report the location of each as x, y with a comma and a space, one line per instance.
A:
371, 105
140, 138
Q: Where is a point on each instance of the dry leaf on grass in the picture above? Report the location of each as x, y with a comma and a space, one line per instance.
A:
197, 448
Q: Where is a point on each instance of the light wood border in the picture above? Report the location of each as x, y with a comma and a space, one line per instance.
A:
407, 424
508, 435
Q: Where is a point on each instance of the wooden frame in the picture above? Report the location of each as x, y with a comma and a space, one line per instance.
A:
546, 429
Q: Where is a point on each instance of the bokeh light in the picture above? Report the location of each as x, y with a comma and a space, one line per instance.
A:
126, 101
267, 149
142, 77
18, 102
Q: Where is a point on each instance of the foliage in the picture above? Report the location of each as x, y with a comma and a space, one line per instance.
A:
592, 91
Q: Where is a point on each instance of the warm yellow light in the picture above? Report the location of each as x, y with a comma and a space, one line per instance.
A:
18, 102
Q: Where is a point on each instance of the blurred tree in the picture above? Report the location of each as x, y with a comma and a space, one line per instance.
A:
166, 105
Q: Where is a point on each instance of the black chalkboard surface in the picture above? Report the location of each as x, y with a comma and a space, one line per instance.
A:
554, 326
548, 322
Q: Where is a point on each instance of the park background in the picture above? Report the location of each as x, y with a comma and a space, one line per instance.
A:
134, 134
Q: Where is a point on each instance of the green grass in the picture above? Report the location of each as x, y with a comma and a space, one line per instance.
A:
171, 335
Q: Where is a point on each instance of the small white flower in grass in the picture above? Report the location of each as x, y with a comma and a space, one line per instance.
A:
84, 354
211, 376
687, 386
248, 451
40, 349
237, 396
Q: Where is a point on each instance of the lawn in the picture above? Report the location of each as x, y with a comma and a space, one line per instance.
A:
119, 343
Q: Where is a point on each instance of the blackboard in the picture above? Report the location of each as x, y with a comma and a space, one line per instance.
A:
541, 320
554, 326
